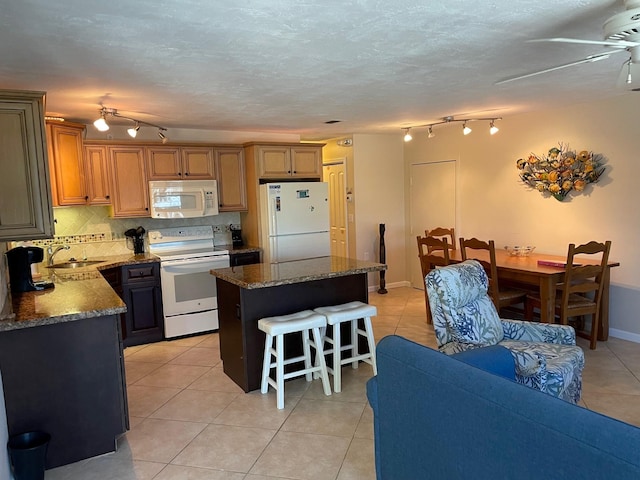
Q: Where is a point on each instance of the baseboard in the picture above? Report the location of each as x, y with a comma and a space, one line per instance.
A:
404, 283
624, 335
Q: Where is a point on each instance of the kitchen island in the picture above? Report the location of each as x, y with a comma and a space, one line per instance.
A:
62, 365
248, 293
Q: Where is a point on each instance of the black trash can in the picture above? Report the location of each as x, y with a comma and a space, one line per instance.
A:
27, 452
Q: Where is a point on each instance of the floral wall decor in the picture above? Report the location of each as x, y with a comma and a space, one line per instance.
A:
561, 170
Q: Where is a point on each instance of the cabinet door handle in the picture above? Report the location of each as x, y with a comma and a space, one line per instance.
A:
187, 174
107, 197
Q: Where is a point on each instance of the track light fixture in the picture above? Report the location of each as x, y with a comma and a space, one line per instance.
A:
466, 130
102, 125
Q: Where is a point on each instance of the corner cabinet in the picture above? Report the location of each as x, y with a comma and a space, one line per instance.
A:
129, 187
25, 198
230, 171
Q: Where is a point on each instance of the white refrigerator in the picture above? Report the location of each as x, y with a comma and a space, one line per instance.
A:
295, 221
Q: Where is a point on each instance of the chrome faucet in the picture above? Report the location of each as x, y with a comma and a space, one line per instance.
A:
51, 252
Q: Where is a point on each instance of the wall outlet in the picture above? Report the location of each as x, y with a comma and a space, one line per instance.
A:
367, 256
218, 228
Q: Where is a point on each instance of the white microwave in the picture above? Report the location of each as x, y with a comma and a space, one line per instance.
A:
183, 198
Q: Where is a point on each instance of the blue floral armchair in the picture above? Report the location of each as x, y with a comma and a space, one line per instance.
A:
464, 317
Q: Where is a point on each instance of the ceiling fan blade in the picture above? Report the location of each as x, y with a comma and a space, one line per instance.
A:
606, 43
589, 59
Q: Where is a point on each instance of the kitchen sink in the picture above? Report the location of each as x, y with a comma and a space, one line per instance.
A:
75, 264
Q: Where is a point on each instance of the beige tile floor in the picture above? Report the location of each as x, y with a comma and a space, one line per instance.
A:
190, 421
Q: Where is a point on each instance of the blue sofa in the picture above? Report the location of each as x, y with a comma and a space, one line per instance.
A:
458, 417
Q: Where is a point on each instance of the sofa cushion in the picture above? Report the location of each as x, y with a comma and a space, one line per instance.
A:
495, 359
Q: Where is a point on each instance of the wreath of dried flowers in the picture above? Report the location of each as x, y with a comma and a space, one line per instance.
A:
561, 170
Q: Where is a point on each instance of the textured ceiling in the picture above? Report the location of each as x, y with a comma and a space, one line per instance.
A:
289, 66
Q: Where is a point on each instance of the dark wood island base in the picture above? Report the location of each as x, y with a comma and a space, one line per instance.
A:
248, 293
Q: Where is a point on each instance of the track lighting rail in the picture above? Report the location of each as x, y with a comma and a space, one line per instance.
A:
449, 119
102, 125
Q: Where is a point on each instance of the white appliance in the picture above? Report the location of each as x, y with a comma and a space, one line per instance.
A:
189, 296
295, 221
183, 198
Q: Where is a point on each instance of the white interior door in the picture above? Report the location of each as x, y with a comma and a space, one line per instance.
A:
334, 174
433, 204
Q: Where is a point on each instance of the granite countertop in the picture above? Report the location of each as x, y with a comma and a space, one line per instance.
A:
242, 249
262, 275
78, 293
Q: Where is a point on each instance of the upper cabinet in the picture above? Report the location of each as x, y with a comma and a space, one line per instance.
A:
129, 186
66, 163
230, 172
25, 196
180, 163
286, 161
97, 181
79, 175
268, 162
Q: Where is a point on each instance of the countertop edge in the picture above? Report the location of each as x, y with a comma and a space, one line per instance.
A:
355, 270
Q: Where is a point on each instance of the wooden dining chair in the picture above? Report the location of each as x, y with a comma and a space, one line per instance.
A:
501, 297
442, 233
432, 252
580, 293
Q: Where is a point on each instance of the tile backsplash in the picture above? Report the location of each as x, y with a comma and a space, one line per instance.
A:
91, 233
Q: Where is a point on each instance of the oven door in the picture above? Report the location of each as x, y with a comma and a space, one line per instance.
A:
187, 285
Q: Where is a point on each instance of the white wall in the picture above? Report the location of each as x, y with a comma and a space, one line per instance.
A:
379, 198
494, 203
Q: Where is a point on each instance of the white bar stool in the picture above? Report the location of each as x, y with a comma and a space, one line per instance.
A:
349, 312
276, 328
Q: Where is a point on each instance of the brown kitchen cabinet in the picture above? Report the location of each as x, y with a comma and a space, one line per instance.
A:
96, 167
25, 209
230, 172
129, 185
68, 186
180, 163
140, 289
270, 162
286, 161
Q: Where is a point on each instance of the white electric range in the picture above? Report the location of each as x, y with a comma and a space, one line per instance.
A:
189, 297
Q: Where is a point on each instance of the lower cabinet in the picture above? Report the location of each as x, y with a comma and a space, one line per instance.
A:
140, 289
66, 379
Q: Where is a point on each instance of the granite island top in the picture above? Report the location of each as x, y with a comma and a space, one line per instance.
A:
78, 293
263, 275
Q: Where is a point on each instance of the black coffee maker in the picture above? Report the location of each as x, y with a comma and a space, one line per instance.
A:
136, 237
236, 236
19, 261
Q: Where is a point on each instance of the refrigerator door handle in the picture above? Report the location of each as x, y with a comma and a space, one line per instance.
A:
274, 223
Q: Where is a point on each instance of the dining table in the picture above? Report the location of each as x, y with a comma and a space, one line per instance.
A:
545, 272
